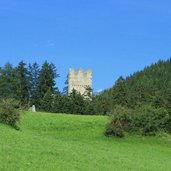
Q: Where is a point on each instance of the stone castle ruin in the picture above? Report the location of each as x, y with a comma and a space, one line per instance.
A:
80, 81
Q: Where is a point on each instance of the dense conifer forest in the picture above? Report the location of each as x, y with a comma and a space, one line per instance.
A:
31, 84
139, 103
149, 86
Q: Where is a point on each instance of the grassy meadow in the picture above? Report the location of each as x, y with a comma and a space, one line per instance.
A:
71, 142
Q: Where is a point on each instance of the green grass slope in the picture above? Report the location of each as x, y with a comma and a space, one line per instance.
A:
68, 142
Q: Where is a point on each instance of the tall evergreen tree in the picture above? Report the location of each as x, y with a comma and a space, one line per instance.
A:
22, 84
119, 93
88, 93
65, 89
34, 73
47, 77
77, 105
8, 81
47, 101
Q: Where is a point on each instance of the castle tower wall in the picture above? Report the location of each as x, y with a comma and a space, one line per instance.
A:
79, 80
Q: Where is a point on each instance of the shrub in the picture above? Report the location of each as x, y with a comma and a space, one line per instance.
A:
120, 117
144, 119
9, 112
150, 120
114, 128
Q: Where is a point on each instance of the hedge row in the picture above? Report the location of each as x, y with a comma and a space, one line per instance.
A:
144, 119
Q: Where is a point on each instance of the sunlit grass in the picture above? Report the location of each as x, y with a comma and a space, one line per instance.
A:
72, 142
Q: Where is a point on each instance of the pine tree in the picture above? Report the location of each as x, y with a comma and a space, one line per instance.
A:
119, 93
77, 103
47, 101
34, 73
88, 93
46, 81
22, 84
58, 103
65, 89
8, 81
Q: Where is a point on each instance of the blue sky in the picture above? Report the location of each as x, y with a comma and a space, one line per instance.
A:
113, 37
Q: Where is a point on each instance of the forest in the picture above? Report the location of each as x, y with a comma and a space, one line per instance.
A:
149, 86
140, 102
31, 84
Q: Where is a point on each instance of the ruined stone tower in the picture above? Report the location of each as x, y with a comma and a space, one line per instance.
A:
79, 80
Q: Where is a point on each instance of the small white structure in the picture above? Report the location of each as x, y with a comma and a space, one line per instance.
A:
32, 109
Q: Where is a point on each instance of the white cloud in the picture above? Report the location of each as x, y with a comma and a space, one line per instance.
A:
100, 90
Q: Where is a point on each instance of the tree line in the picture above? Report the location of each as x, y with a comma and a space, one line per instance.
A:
149, 86
34, 85
138, 103
29, 84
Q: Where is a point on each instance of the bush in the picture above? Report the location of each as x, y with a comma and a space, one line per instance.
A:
9, 112
120, 117
114, 128
151, 120
144, 119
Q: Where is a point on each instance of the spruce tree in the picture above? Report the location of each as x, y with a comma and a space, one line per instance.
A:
119, 93
34, 73
8, 81
47, 101
65, 89
77, 105
47, 77
22, 84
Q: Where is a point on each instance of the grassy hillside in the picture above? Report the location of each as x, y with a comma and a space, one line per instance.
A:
68, 142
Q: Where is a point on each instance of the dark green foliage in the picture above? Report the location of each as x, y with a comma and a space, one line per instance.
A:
149, 86
144, 119
9, 112
150, 120
8, 82
59, 103
34, 73
37, 86
89, 107
114, 128
120, 119
22, 84
30, 86
46, 82
101, 103
47, 78
77, 103
47, 101
88, 93
65, 89
119, 93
